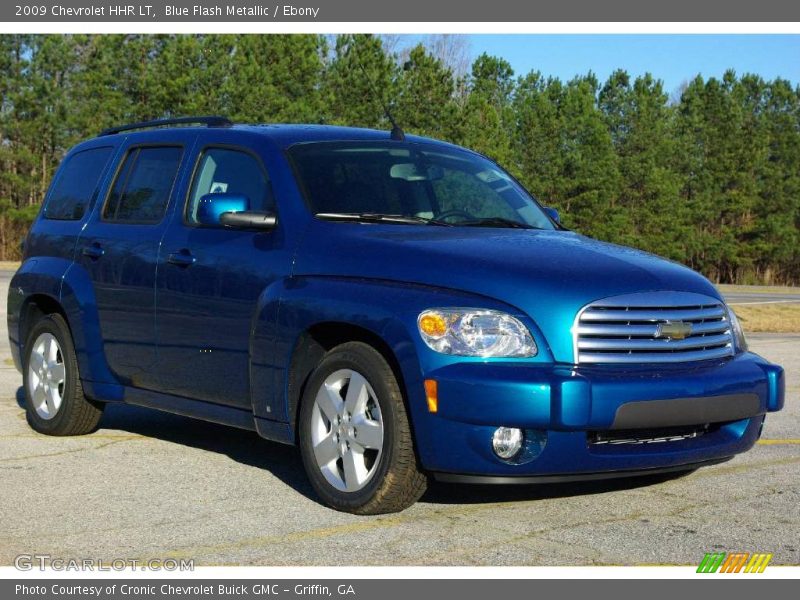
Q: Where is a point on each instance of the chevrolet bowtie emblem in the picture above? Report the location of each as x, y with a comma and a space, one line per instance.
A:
674, 330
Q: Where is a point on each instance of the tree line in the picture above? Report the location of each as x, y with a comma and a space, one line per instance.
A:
709, 176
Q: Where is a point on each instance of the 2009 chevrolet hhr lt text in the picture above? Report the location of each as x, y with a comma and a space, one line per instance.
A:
398, 307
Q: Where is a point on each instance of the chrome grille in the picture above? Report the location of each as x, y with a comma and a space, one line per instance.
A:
625, 329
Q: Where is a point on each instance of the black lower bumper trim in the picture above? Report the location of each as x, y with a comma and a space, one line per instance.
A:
568, 478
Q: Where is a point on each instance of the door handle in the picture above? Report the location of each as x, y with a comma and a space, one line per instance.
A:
93, 251
183, 258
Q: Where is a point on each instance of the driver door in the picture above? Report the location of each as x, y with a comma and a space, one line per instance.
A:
209, 282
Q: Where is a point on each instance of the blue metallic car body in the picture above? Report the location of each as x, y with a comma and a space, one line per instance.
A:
222, 340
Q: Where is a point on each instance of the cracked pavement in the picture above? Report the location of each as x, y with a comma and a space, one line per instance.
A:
153, 485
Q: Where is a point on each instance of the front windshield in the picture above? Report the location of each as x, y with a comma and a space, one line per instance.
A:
413, 182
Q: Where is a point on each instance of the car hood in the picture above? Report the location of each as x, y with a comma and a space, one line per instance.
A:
549, 275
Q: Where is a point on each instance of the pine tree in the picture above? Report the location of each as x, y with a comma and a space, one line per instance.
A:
486, 120
424, 102
711, 179
359, 81
538, 138
652, 215
590, 176
274, 78
778, 208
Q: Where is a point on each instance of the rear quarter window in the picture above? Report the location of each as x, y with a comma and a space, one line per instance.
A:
76, 184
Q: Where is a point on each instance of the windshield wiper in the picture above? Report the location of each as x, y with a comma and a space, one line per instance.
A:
495, 222
382, 218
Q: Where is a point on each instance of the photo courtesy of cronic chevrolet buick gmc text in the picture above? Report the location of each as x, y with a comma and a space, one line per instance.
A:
398, 307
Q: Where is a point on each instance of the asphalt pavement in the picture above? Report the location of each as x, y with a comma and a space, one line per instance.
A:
759, 294
153, 485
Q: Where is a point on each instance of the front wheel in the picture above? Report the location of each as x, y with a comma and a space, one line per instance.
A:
355, 437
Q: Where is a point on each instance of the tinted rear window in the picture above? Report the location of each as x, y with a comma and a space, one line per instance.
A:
143, 185
76, 184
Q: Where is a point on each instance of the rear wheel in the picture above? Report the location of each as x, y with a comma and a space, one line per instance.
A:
355, 437
54, 400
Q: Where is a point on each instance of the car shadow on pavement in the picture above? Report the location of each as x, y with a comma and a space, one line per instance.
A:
245, 447
284, 462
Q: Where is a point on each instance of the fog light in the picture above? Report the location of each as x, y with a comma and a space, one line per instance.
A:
506, 442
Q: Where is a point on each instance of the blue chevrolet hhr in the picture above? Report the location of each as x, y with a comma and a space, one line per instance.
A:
398, 307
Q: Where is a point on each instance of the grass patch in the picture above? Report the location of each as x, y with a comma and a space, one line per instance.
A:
772, 318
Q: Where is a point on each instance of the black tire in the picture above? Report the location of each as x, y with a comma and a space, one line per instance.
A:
77, 415
397, 482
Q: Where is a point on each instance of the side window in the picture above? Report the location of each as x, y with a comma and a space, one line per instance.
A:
76, 184
227, 171
143, 185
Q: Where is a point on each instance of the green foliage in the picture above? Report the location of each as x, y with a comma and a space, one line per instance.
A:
711, 179
486, 120
424, 97
273, 78
360, 80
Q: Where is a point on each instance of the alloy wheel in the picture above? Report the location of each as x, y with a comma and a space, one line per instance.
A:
347, 430
46, 376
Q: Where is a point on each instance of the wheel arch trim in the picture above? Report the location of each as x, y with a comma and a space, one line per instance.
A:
68, 287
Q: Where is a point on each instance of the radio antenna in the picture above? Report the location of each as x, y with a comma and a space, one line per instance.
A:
397, 133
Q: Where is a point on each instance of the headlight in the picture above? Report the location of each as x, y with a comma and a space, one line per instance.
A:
738, 332
475, 332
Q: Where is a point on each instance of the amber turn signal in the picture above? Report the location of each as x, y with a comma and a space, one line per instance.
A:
433, 324
431, 394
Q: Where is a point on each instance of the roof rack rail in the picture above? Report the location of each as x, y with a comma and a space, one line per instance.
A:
211, 121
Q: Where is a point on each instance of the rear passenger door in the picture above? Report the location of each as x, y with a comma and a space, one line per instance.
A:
119, 249
210, 280
69, 201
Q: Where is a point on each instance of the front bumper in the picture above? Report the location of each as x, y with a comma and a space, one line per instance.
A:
568, 406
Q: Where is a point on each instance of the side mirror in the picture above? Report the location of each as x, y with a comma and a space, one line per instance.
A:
552, 213
249, 219
212, 206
